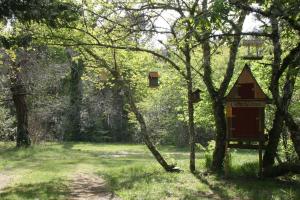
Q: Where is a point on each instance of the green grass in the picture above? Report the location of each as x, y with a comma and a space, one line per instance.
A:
44, 172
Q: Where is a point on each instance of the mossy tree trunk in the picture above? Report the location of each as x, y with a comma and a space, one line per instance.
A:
19, 92
73, 129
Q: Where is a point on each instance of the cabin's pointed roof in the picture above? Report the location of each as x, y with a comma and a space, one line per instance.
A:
245, 77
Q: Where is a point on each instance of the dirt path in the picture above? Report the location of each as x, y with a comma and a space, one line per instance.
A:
4, 180
90, 187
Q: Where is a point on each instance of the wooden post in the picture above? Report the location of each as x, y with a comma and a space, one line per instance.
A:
261, 144
260, 159
226, 163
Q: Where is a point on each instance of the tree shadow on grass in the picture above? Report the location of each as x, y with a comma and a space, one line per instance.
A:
127, 179
55, 189
217, 190
68, 145
132, 177
247, 187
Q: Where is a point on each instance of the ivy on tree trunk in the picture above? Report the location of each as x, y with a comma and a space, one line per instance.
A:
19, 98
73, 130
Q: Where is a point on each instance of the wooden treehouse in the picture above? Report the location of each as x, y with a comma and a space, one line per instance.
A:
254, 49
245, 114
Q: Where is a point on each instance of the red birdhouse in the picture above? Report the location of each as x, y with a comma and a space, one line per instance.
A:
153, 79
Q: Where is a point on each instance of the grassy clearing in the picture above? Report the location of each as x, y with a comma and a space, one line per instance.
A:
44, 171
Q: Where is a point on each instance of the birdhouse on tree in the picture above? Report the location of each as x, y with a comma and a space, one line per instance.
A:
245, 109
153, 79
196, 96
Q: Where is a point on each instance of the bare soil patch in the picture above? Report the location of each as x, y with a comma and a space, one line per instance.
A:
90, 187
4, 180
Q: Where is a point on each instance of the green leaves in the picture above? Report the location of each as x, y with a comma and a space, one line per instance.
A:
16, 41
54, 13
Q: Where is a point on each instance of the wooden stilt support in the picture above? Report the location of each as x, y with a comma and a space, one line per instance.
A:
260, 159
227, 159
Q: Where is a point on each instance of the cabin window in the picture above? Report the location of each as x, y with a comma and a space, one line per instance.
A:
246, 90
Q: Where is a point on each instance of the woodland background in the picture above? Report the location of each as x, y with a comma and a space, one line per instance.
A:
78, 71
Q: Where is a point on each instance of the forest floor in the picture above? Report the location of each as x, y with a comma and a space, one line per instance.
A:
123, 171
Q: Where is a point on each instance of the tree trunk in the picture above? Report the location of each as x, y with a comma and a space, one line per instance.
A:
217, 96
274, 85
19, 98
281, 115
191, 123
294, 131
75, 93
282, 103
191, 127
146, 138
277, 127
144, 131
282, 169
287, 96
119, 118
274, 136
220, 121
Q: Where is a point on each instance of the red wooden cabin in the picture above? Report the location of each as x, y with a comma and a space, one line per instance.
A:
245, 114
245, 109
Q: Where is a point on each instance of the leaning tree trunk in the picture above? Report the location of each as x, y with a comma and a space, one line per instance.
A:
294, 131
281, 116
19, 98
144, 131
288, 93
282, 103
146, 138
289, 121
282, 169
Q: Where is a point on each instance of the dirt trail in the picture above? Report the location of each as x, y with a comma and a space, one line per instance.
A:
4, 180
90, 187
